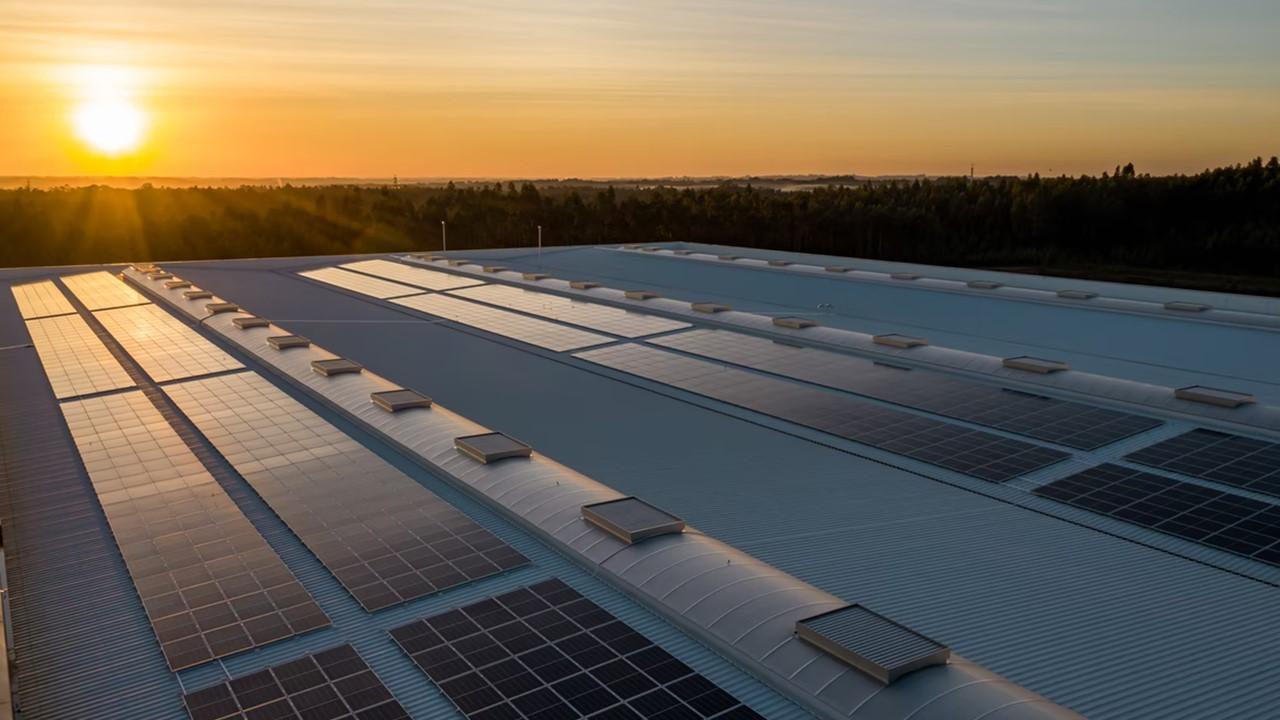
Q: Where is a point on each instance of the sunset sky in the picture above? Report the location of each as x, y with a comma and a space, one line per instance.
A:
263, 88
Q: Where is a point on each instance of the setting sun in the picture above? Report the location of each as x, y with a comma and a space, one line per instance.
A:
111, 127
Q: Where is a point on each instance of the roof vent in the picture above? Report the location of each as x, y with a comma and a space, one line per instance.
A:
779, 263
795, 323
494, 268
630, 247
176, 284
1181, 306
1077, 294
491, 447
681, 252
899, 341
904, 276
161, 275
336, 366
197, 294
639, 295
144, 267
871, 642
727, 258
650, 248
1214, 396
534, 276
983, 284
1035, 364
221, 307
426, 256
244, 323
838, 268
397, 400
284, 342
631, 519
583, 284
709, 307
458, 263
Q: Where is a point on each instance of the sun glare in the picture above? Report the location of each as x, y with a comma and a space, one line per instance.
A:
106, 118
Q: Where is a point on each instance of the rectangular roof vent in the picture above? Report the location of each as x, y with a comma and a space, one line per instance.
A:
426, 256
650, 248
727, 258
631, 519
175, 284
904, 276
144, 267
899, 341
630, 246
494, 268
779, 263
197, 294
640, 295
491, 447
1181, 306
583, 285
221, 307
838, 268
458, 263
284, 342
795, 323
336, 366
160, 275
1077, 294
983, 284
1214, 396
681, 252
244, 323
709, 307
534, 276
397, 400
1035, 364
871, 642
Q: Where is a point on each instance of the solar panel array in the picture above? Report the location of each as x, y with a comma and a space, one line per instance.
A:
547, 652
416, 276
1221, 457
973, 452
574, 312
335, 684
357, 283
1069, 423
74, 358
210, 584
164, 347
501, 322
386, 538
1214, 518
101, 290
41, 299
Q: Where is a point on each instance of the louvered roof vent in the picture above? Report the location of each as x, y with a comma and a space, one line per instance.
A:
494, 268
1181, 306
794, 323
899, 341
1214, 396
176, 284
397, 400
1077, 294
904, 276
491, 447
709, 307
221, 307
534, 276
639, 295
583, 284
244, 323
631, 519
1035, 364
284, 342
458, 262
197, 294
884, 649
336, 366
983, 284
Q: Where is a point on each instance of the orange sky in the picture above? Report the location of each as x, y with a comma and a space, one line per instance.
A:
607, 89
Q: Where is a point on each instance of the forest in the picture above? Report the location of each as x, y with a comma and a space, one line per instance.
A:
1218, 229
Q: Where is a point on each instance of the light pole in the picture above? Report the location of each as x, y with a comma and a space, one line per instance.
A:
444, 240
539, 246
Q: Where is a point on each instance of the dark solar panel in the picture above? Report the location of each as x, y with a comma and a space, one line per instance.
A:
1221, 457
972, 452
1067, 423
1217, 519
331, 685
547, 652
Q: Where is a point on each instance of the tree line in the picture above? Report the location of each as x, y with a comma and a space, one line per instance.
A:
1224, 221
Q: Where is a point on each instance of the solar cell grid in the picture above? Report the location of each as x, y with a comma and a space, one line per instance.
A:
1221, 457
164, 347
386, 538
529, 330
335, 684
416, 276
574, 312
1214, 518
74, 358
357, 283
969, 451
1068, 423
41, 299
210, 584
102, 290
547, 652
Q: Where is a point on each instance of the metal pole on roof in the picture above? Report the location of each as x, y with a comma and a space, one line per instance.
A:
539, 246
444, 240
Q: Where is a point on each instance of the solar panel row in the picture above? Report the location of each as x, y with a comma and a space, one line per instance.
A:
573, 312
386, 538
210, 584
973, 452
101, 291
40, 299
165, 348
361, 284
529, 330
547, 652
416, 276
1068, 423
75, 358
1221, 457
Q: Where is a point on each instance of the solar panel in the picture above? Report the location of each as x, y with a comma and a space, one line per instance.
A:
547, 652
1213, 518
335, 684
164, 347
385, 537
361, 284
1221, 457
210, 584
972, 452
871, 642
40, 299
102, 290
1072, 424
74, 358
573, 312
416, 276
529, 330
